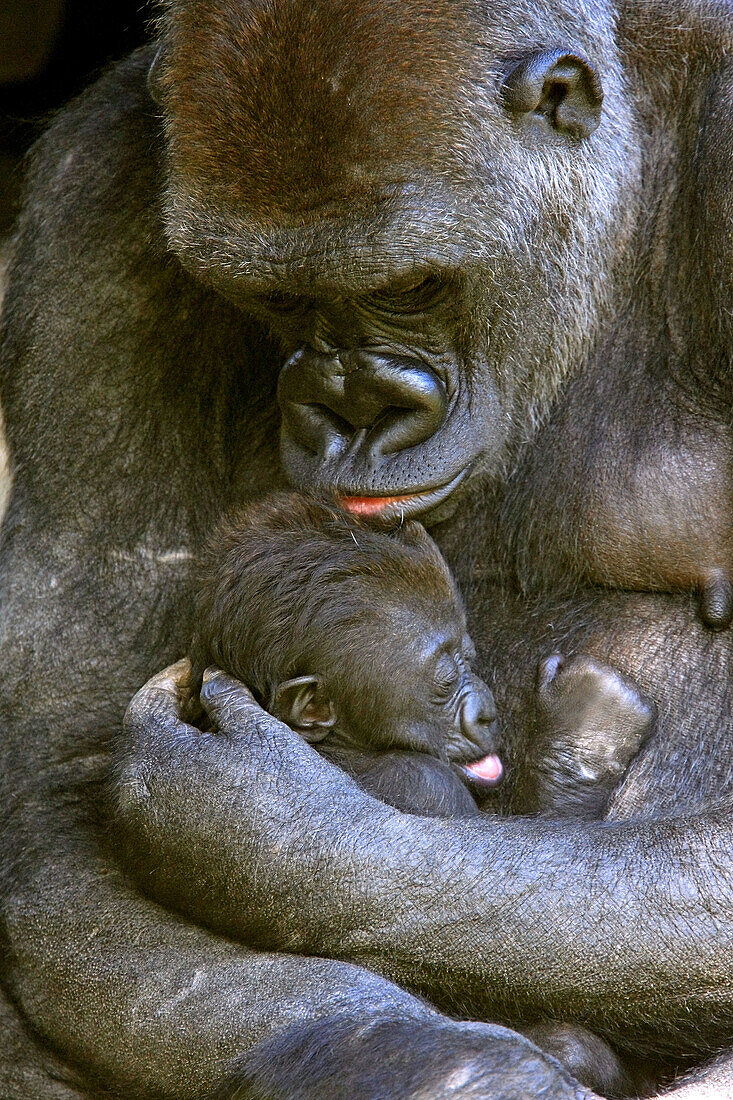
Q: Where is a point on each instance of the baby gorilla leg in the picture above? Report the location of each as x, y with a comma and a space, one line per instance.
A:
590, 723
412, 782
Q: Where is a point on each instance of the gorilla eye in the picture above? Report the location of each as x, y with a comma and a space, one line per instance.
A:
284, 304
410, 298
447, 675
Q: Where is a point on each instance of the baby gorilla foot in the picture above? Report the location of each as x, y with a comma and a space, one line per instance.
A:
592, 721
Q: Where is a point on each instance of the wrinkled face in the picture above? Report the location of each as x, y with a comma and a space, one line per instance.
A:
425, 201
417, 692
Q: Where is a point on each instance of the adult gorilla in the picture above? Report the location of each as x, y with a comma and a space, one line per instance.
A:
433, 214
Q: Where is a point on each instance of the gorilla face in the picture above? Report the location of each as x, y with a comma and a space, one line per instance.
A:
431, 224
375, 397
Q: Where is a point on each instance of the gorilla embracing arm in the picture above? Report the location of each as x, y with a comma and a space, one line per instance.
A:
434, 905
141, 1001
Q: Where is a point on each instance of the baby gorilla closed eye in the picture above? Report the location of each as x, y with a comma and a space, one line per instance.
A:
356, 639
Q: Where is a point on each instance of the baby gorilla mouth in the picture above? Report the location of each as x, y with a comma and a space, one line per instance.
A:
487, 771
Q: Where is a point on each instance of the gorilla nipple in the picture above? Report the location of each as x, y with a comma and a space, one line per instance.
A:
716, 601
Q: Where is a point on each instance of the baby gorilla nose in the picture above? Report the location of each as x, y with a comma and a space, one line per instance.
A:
477, 717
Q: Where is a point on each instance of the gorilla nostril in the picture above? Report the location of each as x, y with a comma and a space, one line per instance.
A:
326, 401
478, 720
338, 423
317, 427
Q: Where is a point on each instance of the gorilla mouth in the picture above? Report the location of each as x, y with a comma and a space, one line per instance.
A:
391, 509
486, 772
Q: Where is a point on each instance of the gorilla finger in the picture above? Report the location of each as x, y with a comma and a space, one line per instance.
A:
160, 700
233, 710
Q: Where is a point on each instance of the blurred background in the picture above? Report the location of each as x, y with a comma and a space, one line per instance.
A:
49, 51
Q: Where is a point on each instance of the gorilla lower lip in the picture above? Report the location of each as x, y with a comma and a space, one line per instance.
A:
370, 506
398, 508
488, 770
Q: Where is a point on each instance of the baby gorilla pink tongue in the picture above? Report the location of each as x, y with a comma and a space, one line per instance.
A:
487, 771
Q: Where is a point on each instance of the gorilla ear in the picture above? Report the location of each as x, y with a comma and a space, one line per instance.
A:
155, 88
304, 706
561, 88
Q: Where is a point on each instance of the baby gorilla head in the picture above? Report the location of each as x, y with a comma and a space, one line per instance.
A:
355, 637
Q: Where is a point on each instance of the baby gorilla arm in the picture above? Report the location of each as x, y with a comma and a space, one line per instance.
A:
412, 782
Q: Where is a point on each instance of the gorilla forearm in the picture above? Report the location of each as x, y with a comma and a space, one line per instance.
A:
144, 1000
134, 996
490, 909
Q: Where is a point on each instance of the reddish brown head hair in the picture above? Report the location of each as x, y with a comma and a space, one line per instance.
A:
283, 106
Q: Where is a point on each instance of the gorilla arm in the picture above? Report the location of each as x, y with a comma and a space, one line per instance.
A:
625, 926
142, 1002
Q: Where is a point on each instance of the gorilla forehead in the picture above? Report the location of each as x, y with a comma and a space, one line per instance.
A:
283, 107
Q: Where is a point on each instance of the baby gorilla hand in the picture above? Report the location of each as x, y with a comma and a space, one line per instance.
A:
592, 721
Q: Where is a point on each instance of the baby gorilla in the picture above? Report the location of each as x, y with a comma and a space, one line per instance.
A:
356, 638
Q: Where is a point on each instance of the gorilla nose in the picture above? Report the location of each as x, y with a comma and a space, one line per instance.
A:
481, 767
383, 403
478, 720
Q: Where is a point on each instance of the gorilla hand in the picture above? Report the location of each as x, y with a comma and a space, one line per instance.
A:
195, 805
250, 831
227, 825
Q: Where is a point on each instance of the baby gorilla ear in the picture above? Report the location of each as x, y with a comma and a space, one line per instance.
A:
303, 705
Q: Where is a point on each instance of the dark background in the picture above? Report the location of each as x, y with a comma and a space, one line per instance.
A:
49, 51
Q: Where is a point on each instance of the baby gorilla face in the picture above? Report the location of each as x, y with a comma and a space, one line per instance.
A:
409, 686
354, 636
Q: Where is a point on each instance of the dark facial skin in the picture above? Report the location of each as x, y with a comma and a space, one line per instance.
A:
331, 150
420, 686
